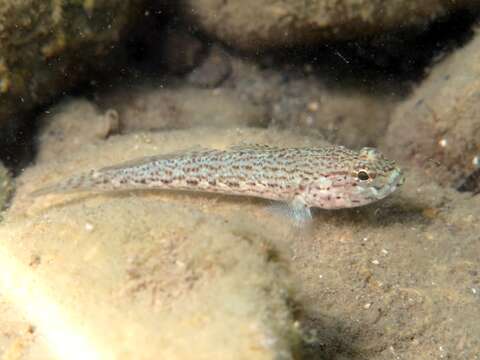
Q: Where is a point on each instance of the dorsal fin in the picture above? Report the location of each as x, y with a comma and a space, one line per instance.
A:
148, 159
247, 146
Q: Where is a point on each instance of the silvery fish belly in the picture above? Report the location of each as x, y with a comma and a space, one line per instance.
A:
329, 177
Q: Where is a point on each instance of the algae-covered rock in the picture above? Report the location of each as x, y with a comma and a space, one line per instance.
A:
47, 46
6, 187
254, 25
438, 127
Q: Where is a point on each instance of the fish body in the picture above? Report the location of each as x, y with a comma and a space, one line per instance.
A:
329, 177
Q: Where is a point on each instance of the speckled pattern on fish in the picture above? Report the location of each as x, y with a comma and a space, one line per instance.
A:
329, 177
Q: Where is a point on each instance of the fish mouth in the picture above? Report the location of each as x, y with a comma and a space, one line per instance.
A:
395, 180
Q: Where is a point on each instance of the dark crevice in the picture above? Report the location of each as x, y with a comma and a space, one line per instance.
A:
470, 183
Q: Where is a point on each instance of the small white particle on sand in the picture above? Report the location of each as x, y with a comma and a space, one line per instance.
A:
367, 306
313, 106
443, 142
474, 291
365, 238
384, 251
375, 262
476, 161
320, 276
89, 227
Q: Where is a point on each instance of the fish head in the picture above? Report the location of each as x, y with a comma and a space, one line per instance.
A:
359, 178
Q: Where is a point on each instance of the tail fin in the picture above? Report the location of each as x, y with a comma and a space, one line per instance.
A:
79, 182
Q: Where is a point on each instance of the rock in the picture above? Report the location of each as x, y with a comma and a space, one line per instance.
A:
250, 26
437, 128
71, 124
250, 96
180, 51
48, 46
143, 279
19, 338
253, 95
156, 108
299, 98
6, 187
212, 71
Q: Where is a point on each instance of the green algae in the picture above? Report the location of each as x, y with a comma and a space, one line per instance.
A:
6, 188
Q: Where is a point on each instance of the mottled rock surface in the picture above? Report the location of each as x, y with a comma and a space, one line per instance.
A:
254, 26
438, 127
48, 46
255, 95
6, 187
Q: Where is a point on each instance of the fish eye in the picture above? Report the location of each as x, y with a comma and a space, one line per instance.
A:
363, 175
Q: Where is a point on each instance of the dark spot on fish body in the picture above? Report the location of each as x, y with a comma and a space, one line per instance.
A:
192, 182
